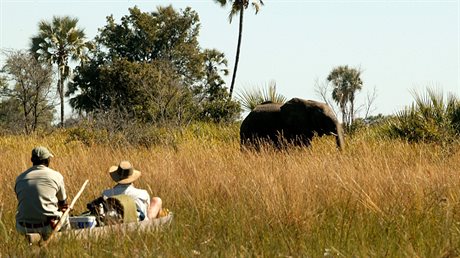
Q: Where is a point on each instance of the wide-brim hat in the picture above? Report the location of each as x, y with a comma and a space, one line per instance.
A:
124, 173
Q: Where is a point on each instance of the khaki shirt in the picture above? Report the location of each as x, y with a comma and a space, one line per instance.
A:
38, 190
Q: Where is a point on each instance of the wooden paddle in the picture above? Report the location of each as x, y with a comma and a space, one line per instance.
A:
65, 214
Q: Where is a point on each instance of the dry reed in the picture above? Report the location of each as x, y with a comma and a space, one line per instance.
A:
376, 198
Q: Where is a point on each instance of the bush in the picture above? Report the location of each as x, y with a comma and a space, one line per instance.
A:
131, 133
219, 110
119, 129
432, 118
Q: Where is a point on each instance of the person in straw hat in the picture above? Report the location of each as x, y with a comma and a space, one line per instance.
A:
125, 175
41, 195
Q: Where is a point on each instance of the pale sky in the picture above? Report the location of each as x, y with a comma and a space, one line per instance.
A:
399, 45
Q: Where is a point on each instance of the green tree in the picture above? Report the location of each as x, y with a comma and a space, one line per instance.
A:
154, 61
346, 82
164, 35
212, 95
30, 89
149, 91
87, 91
11, 119
237, 8
58, 42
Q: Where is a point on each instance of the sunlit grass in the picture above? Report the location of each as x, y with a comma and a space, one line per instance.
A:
376, 198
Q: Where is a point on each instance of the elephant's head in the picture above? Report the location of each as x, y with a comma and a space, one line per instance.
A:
305, 118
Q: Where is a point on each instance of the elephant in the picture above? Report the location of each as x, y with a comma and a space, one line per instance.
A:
294, 122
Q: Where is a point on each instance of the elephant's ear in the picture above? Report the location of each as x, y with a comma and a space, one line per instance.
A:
308, 113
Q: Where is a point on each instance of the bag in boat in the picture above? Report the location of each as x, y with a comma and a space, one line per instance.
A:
113, 210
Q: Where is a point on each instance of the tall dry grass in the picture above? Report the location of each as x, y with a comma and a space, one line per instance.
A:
376, 198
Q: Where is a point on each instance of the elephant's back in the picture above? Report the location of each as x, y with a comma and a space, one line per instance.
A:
313, 107
262, 120
267, 107
263, 115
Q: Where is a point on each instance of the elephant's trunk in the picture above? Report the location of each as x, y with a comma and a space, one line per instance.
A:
339, 137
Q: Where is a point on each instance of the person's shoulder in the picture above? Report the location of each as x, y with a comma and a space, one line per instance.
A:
22, 175
53, 172
105, 192
27, 173
137, 191
108, 192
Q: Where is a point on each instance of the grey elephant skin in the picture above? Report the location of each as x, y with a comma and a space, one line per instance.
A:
294, 122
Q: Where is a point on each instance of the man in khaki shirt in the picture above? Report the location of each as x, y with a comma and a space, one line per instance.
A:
41, 195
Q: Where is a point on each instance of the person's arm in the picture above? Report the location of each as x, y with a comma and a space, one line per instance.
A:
62, 195
63, 205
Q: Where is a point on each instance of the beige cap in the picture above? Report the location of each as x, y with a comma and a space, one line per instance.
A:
41, 153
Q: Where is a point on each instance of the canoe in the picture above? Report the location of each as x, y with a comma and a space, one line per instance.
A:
97, 232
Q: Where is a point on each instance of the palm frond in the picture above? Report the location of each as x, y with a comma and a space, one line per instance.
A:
257, 5
270, 94
222, 2
430, 118
250, 98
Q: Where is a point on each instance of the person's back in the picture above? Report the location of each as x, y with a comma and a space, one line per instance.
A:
41, 195
124, 175
140, 197
38, 190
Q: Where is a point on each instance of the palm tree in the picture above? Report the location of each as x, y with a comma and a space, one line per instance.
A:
58, 42
238, 7
346, 83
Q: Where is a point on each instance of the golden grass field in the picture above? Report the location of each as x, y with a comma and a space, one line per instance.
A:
375, 199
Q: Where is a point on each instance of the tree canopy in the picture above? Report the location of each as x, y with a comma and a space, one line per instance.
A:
346, 81
28, 98
58, 42
152, 66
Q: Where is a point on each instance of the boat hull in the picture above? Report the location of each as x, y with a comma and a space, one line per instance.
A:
97, 232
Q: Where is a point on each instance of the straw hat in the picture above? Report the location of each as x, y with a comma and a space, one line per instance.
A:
124, 173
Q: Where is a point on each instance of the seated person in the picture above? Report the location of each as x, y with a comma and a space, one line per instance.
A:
124, 175
41, 196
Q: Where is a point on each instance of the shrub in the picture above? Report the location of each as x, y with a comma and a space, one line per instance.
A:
119, 129
431, 118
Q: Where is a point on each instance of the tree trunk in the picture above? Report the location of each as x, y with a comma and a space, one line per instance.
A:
34, 109
237, 57
61, 97
35, 113
62, 105
26, 122
352, 108
344, 115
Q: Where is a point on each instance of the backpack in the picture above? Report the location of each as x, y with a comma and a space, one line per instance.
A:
113, 210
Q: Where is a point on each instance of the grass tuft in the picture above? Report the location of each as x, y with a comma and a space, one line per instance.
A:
376, 198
